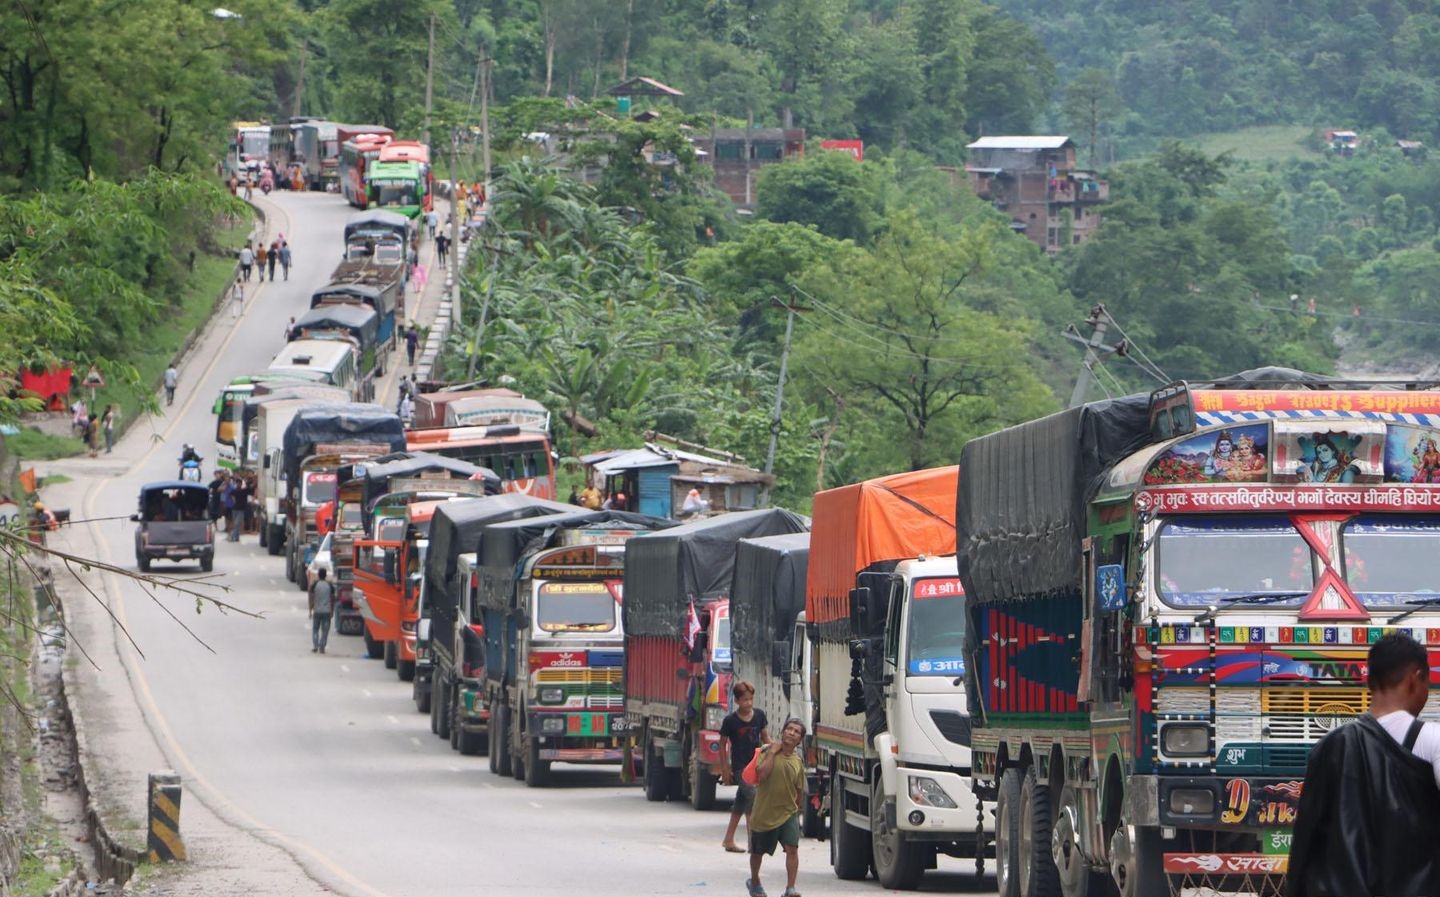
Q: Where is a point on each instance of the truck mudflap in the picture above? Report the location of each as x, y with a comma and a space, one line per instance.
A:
1258, 874
584, 755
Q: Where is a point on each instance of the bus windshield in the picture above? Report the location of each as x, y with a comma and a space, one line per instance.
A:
936, 634
394, 193
575, 607
228, 410
1204, 560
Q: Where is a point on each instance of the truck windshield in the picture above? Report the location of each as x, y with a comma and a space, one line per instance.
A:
720, 642
1385, 558
390, 529
319, 488
937, 628
1203, 560
575, 607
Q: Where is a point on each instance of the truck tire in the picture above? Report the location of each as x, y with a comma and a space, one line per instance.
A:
1038, 876
373, 649
302, 582
392, 655
207, 563
656, 784
471, 742
1139, 873
143, 563
500, 746
455, 727
899, 862
1007, 835
702, 783
442, 706
275, 538
420, 691
289, 561
537, 771
849, 845
1073, 870
264, 535
405, 669
517, 742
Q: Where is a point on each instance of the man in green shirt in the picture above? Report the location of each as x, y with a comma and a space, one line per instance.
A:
774, 819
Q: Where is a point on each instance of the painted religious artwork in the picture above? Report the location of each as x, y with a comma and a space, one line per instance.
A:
1349, 453
1231, 455
1412, 455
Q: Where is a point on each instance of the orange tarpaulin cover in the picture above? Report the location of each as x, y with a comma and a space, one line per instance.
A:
884, 519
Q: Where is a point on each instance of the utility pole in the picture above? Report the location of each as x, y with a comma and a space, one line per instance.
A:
429, 80
791, 308
1095, 350
300, 81
485, 125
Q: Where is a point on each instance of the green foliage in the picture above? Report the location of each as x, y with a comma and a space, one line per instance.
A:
829, 191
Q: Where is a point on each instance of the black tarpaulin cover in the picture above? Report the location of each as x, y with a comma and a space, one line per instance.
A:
666, 570
768, 592
348, 423
504, 545
455, 530
1020, 512
414, 464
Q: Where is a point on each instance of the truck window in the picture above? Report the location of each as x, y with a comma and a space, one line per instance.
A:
937, 628
1202, 560
319, 488
720, 654
1386, 558
574, 607
390, 529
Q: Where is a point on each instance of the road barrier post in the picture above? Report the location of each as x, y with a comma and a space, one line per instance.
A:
164, 842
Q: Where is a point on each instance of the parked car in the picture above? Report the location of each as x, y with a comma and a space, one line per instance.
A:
321, 561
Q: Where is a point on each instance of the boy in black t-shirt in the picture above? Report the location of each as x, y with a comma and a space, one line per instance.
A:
741, 734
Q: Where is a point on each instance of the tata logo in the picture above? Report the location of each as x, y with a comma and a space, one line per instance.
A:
1329, 716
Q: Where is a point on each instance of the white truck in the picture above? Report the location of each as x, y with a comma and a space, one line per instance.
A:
271, 421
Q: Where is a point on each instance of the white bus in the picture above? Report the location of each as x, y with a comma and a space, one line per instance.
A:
322, 361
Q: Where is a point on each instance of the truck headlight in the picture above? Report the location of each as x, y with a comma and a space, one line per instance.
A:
927, 792
552, 695
1192, 802
714, 717
552, 725
1185, 740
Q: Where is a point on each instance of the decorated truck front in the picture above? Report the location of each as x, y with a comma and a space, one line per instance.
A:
1170, 602
551, 589
677, 646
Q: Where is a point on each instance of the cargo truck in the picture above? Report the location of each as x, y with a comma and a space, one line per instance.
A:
884, 613
1170, 599
677, 646
550, 590
448, 645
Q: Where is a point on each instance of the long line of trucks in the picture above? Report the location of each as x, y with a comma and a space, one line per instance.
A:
1097, 651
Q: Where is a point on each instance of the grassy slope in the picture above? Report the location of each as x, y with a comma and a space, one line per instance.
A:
1262, 143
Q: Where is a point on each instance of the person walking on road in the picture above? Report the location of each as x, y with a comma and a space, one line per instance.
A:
284, 258
272, 258
237, 298
775, 818
407, 410
1369, 815
290, 330
260, 256
412, 342
107, 424
235, 508
741, 734
247, 261
172, 380
432, 222
322, 607
442, 248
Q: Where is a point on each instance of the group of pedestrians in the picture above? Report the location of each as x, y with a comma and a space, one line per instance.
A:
258, 258
770, 787
232, 500
91, 428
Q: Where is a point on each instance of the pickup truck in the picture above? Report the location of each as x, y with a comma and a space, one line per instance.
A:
174, 525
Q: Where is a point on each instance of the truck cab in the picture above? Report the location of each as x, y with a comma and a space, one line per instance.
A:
912, 799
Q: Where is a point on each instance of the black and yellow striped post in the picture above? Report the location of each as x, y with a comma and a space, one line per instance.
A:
164, 842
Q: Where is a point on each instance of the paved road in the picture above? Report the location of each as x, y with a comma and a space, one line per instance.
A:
320, 763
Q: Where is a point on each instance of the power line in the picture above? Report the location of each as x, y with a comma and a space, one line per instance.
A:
1139, 358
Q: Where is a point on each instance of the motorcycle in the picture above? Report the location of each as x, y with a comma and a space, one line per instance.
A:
267, 183
190, 471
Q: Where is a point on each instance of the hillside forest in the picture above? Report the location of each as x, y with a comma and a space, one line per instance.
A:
642, 299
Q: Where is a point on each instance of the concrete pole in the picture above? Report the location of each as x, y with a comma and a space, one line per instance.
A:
1082, 382
779, 401
429, 81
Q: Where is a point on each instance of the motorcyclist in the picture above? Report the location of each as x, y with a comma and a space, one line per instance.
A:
190, 463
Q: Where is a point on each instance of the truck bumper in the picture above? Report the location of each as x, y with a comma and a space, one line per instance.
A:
1216, 803
583, 755
924, 816
593, 724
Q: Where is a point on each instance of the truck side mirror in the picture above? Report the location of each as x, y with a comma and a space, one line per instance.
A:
422, 630
267, 462
780, 660
859, 648
859, 609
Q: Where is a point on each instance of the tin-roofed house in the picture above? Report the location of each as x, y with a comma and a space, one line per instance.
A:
1036, 181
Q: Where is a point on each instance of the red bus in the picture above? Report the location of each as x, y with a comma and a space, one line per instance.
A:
355, 155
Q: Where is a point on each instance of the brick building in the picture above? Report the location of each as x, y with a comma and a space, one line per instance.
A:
738, 154
1035, 180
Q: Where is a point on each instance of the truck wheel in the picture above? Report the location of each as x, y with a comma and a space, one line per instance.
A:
143, 563
405, 669
373, 649
392, 655
1137, 867
289, 564
702, 783
1038, 876
302, 582
455, 727
899, 862
275, 540
420, 691
500, 746
656, 787
516, 742
1007, 835
1076, 878
537, 771
207, 563
849, 847
442, 705
264, 535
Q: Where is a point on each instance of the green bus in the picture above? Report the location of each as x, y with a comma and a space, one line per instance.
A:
397, 186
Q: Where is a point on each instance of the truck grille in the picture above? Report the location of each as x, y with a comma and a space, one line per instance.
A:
585, 676
1309, 714
954, 726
